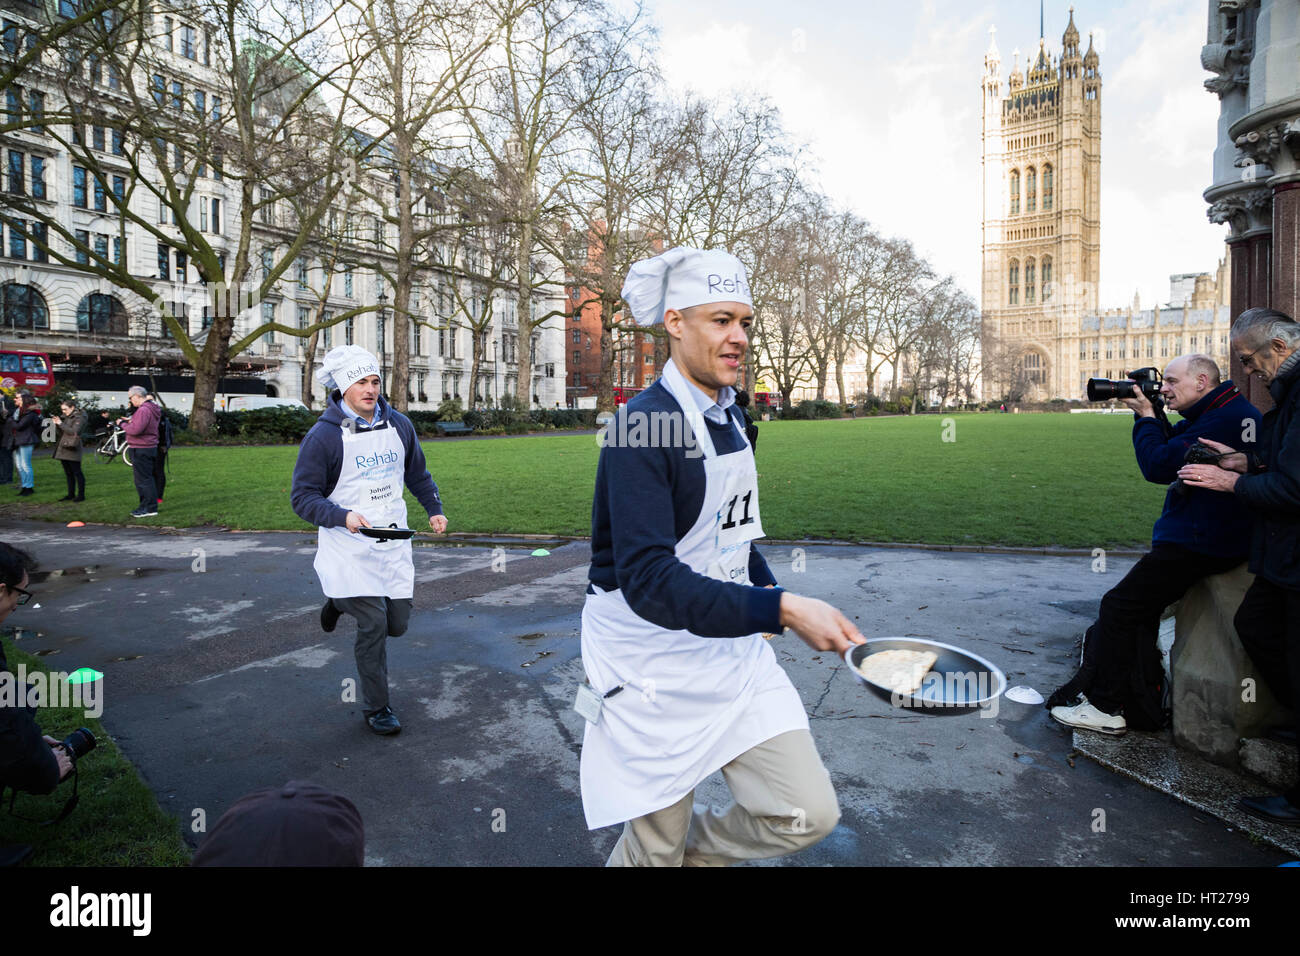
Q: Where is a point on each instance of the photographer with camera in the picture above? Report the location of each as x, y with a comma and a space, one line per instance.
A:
1199, 533
1268, 484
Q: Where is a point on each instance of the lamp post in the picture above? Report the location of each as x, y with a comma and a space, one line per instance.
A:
495, 344
383, 323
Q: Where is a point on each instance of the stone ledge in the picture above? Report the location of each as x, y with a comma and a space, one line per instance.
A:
1152, 759
1272, 761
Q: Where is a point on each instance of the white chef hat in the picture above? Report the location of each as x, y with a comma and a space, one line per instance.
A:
346, 365
683, 277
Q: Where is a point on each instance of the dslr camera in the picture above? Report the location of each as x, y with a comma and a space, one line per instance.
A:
1145, 380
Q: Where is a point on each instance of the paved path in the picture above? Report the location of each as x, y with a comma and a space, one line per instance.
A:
220, 680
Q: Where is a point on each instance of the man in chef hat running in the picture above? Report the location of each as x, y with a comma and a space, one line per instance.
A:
680, 682
351, 470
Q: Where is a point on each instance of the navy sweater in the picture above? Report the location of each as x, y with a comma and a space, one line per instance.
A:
320, 459
1209, 522
646, 501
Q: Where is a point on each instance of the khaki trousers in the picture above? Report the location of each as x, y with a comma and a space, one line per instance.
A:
783, 802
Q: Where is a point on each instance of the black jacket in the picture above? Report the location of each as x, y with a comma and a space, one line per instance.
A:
1272, 490
26, 761
7, 410
27, 428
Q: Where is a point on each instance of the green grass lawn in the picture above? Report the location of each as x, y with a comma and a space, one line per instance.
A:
117, 821
1034, 480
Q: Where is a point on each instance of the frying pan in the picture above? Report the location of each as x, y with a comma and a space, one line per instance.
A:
391, 533
959, 682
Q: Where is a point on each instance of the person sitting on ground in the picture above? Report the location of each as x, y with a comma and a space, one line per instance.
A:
1199, 533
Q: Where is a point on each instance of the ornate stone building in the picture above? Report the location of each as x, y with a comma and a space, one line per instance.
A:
1041, 200
1253, 50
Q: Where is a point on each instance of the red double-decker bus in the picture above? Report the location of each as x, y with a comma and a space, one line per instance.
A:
623, 394
29, 370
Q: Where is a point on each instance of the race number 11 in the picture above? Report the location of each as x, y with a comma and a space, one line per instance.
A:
746, 517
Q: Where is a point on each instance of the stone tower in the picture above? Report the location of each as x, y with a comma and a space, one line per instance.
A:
1041, 216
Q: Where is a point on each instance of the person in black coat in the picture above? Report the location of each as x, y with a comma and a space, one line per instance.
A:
7, 409
1267, 482
751, 430
28, 761
1199, 533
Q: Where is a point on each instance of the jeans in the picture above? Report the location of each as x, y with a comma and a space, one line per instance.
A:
23, 463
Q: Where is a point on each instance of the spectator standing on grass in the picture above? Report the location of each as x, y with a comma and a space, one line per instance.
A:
68, 450
142, 438
7, 410
1266, 479
27, 432
164, 446
751, 430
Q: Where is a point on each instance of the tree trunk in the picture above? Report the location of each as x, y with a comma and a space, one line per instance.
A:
524, 276
839, 381
308, 366
212, 364
605, 381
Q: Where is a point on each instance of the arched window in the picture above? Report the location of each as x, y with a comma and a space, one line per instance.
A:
1047, 265
1013, 282
24, 308
102, 314
1015, 192
1030, 285
1033, 368
1047, 188
1031, 190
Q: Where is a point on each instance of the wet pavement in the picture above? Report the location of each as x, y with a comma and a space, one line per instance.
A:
219, 680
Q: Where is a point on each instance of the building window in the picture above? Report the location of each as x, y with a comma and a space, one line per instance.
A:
101, 246
101, 197
301, 265
325, 332
17, 240
1015, 193
267, 262
79, 187
102, 314
36, 102
1030, 283
117, 143
347, 282
164, 261
167, 34
17, 169
1013, 289
349, 331
83, 240
24, 308
119, 189
187, 43
1031, 190
1047, 278
268, 316
1047, 189
117, 250
181, 262
159, 89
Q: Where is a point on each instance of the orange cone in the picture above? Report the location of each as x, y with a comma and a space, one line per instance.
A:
76, 524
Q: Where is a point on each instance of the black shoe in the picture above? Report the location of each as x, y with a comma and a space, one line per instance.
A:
329, 616
1278, 809
383, 721
68, 498
27, 491
79, 498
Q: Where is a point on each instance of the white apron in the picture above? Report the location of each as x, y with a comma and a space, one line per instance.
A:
370, 483
691, 704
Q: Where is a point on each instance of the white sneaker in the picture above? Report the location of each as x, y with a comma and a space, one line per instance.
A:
1089, 717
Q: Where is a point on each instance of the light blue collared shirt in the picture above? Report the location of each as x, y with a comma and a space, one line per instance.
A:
715, 412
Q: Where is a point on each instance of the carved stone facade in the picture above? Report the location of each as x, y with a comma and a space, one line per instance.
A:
1041, 209
1253, 48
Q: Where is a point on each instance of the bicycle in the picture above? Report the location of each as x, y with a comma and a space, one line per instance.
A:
113, 445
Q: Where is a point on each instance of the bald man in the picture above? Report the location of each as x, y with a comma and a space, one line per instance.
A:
1200, 532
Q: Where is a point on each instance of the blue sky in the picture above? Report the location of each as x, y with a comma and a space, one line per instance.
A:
887, 95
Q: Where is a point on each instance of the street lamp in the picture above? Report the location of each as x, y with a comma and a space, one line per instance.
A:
383, 321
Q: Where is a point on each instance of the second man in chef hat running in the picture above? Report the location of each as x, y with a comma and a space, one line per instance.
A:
351, 471
681, 682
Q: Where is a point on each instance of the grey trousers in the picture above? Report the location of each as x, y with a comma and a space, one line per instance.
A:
378, 618
784, 801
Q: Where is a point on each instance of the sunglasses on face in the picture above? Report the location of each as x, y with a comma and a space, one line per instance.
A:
23, 595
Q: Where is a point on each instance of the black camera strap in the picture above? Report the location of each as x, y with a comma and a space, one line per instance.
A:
69, 805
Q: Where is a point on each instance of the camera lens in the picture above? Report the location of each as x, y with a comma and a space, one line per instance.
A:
79, 743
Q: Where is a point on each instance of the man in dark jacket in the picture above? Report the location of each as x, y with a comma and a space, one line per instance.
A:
1199, 533
1267, 482
28, 761
351, 472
